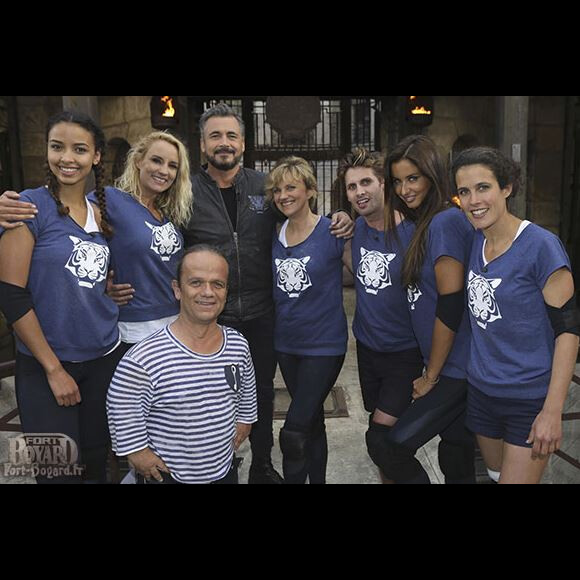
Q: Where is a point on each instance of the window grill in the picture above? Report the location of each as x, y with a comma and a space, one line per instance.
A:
344, 123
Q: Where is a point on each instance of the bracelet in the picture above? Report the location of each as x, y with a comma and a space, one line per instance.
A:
426, 378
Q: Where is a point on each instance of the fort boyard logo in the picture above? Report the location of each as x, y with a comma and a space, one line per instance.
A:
47, 455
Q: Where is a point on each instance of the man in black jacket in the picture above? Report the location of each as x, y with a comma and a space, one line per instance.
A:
231, 212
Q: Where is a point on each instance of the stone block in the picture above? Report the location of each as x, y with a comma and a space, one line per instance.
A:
112, 111
137, 108
34, 172
138, 129
32, 119
33, 145
117, 132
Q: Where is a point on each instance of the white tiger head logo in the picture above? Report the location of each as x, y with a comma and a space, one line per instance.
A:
373, 270
481, 299
258, 203
413, 294
164, 240
88, 262
292, 276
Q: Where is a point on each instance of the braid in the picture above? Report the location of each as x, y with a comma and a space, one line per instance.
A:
53, 188
102, 199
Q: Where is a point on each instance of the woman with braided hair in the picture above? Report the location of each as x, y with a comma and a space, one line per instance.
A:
53, 276
151, 202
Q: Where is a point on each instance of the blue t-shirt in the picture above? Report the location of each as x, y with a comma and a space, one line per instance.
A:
381, 320
512, 338
450, 234
67, 281
144, 253
310, 318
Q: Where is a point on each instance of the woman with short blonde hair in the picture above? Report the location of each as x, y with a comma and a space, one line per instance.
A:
310, 332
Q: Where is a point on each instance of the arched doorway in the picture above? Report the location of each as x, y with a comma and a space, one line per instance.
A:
117, 149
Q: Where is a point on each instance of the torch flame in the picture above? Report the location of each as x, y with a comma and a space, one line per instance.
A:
169, 110
421, 111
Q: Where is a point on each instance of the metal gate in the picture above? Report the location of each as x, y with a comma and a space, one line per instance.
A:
345, 123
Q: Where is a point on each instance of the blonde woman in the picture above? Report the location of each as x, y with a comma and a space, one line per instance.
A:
310, 331
151, 202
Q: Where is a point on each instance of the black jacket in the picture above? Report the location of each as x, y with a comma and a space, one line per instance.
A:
249, 249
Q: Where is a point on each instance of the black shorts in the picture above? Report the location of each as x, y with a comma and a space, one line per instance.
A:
386, 378
499, 418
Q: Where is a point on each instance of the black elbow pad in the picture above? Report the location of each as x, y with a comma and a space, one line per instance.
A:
15, 302
450, 308
565, 319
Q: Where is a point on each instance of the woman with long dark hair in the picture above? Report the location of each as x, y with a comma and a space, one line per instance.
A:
416, 186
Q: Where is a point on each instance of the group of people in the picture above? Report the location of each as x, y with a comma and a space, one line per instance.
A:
152, 315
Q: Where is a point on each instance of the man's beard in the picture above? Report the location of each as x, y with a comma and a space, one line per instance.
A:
224, 165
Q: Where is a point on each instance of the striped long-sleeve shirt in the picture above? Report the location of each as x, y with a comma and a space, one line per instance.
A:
182, 405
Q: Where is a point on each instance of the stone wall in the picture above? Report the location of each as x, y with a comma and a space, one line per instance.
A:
477, 116
124, 120
127, 118
33, 114
456, 116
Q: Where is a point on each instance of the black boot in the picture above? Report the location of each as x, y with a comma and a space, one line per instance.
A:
262, 472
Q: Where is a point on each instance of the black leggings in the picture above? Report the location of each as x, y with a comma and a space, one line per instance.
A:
85, 423
440, 412
303, 441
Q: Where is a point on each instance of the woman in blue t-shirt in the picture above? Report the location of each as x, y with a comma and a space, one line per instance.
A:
416, 185
523, 321
152, 200
310, 333
53, 277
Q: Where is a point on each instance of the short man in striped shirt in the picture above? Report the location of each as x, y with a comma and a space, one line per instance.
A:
183, 400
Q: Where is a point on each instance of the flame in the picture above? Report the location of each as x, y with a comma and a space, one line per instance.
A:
169, 110
421, 111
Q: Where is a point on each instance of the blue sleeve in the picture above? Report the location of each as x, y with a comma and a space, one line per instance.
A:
35, 225
551, 256
339, 246
451, 234
336, 245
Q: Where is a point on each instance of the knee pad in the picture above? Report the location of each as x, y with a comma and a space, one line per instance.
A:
457, 462
493, 475
393, 459
293, 444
